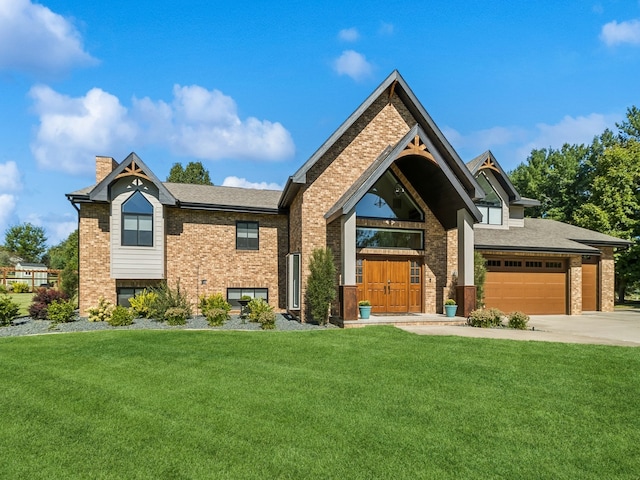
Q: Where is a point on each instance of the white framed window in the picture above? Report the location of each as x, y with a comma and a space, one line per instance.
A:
293, 281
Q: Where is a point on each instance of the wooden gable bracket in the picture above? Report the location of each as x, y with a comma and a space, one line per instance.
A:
392, 89
490, 164
133, 170
417, 147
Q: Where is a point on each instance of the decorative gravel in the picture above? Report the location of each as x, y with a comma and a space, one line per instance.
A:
28, 326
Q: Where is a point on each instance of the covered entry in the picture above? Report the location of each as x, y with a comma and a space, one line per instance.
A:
535, 286
392, 285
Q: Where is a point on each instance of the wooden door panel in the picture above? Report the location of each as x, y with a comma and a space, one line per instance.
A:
589, 287
532, 293
386, 284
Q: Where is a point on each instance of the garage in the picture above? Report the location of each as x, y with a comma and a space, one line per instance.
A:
535, 286
589, 283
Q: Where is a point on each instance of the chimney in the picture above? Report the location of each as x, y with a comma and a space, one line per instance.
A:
104, 166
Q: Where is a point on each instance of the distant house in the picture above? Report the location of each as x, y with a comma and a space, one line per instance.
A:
34, 274
386, 191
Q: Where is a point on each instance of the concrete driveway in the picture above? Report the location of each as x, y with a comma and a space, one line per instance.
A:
621, 327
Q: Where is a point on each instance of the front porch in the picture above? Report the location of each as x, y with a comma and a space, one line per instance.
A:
413, 319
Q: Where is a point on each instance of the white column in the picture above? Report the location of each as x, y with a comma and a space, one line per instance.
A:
348, 228
465, 248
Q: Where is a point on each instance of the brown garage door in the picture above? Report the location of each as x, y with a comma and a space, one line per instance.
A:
533, 286
589, 287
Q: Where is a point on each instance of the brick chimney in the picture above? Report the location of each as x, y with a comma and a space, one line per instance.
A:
104, 166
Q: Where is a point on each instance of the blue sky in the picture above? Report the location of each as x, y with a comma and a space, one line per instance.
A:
252, 89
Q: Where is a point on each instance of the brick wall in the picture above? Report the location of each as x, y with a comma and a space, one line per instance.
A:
94, 255
575, 285
104, 166
607, 279
202, 245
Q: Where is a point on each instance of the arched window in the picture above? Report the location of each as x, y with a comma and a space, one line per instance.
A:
137, 221
387, 199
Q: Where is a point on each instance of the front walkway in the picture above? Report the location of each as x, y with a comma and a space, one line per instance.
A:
416, 319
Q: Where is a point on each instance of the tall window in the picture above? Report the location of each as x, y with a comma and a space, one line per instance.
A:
247, 236
388, 199
491, 205
293, 281
137, 221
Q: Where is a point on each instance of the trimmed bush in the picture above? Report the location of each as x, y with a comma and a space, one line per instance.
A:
491, 317
262, 313
176, 316
518, 320
102, 312
216, 317
120, 317
41, 301
321, 284
61, 311
20, 287
8, 310
215, 302
168, 298
479, 277
143, 302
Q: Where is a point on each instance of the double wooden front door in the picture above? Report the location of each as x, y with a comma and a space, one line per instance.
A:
391, 285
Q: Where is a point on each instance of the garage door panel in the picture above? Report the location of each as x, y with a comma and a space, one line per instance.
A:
589, 287
534, 293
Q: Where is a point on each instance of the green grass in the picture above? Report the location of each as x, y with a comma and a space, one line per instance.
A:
23, 300
363, 403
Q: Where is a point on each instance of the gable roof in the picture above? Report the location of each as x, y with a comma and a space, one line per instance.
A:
486, 160
394, 84
438, 184
130, 166
545, 235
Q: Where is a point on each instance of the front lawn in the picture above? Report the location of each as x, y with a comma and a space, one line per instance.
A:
366, 403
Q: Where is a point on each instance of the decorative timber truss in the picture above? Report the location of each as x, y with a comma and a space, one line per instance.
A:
133, 170
417, 147
489, 164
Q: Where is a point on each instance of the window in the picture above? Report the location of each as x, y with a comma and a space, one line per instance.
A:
415, 272
491, 205
247, 236
388, 199
493, 263
389, 238
137, 221
235, 294
293, 281
125, 293
555, 265
533, 264
359, 270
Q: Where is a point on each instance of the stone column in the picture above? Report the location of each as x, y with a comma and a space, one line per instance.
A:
348, 288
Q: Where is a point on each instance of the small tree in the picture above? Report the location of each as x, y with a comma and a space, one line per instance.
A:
479, 276
321, 284
27, 241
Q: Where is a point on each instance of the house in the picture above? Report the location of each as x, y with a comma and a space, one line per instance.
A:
386, 191
33, 274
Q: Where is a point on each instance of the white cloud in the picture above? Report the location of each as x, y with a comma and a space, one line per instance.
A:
73, 130
571, 130
614, 33
244, 183
36, 40
57, 227
9, 177
198, 123
7, 206
352, 64
349, 34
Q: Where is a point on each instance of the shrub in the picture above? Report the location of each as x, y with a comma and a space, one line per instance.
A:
120, 317
166, 299
102, 312
69, 281
321, 285
364, 303
262, 313
61, 311
491, 317
20, 287
518, 320
41, 301
217, 316
8, 310
213, 302
143, 302
479, 277
176, 316
3, 288
450, 301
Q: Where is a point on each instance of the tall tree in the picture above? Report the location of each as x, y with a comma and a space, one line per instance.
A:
27, 241
195, 173
66, 252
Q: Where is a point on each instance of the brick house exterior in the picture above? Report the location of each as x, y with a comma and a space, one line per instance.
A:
400, 210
